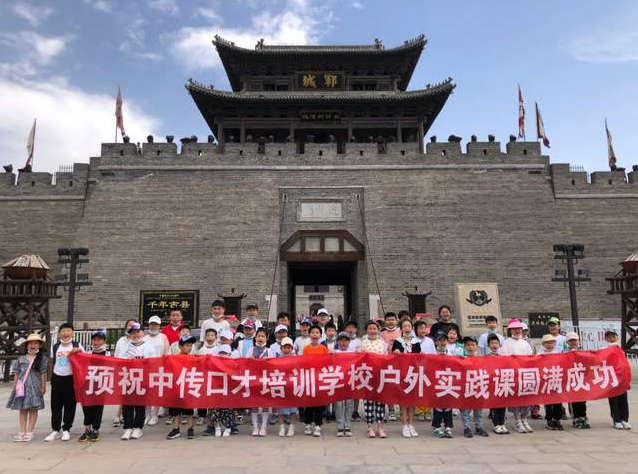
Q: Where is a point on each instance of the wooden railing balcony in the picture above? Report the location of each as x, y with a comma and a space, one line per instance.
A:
627, 283
27, 289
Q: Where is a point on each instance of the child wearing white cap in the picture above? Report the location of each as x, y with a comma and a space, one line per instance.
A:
579, 409
159, 346
553, 412
281, 331
287, 350
516, 345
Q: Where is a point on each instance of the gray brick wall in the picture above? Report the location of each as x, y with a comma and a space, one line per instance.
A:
209, 221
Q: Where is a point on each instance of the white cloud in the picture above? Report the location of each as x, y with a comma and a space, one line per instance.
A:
606, 46
297, 24
34, 15
100, 5
33, 50
208, 13
134, 42
165, 6
357, 5
71, 123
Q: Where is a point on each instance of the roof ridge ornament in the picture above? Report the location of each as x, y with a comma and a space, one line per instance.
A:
379, 43
260, 44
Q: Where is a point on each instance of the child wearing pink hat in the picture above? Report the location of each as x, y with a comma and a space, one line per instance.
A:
515, 344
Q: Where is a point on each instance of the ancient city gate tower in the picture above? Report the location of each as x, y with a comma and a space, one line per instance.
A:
317, 99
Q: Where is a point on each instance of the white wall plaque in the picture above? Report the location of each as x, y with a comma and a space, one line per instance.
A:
474, 301
320, 211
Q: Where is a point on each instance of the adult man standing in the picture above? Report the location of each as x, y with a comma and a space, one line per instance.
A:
252, 314
171, 330
216, 321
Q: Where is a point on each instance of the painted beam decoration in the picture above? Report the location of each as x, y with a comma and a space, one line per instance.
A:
161, 302
187, 381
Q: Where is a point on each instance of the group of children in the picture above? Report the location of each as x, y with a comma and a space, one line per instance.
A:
320, 336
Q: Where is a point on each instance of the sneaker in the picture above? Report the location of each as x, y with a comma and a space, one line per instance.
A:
577, 423
126, 435
370, 433
95, 436
316, 432
448, 433
209, 431
282, 430
200, 421
356, 416
169, 421
183, 420
116, 422
482, 432
255, 431
291, 431
586, 424
438, 433
307, 430
190, 434
340, 433
381, 433
405, 432
174, 433
146, 420
28, 437
218, 432
66, 436
347, 433
413, 431
392, 416
19, 438
467, 432
87, 435
626, 425
226, 433
153, 421
558, 426
619, 426
520, 427
262, 431
498, 429
504, 430
234, 430
428, 417
137, 433
550, 425
527, 426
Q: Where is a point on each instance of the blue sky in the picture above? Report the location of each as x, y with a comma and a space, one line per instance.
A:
61, 61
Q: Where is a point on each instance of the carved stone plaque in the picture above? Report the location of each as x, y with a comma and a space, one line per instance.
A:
320, 211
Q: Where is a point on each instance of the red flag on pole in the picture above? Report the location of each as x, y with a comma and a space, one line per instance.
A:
521, 115
610, 149
119, 118
540, 128
31, 145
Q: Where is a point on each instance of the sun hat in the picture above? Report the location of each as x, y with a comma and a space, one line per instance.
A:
515, 324
570, 336
286, 341
548, 338
34, 337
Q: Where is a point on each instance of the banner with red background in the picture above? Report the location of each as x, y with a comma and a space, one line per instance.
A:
186, 381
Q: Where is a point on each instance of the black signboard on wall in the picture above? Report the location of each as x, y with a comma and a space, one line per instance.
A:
537, 323
161, 302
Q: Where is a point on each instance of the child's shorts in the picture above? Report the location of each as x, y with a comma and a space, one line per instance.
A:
287, 411
180, 411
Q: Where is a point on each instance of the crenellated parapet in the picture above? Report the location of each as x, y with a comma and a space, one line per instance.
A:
569, 183
43, 186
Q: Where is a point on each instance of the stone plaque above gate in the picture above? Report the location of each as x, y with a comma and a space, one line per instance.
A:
325, 210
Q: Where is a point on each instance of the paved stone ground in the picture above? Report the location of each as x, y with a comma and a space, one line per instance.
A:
599, 450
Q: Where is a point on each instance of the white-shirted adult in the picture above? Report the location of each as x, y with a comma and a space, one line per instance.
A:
157, 345
216, 320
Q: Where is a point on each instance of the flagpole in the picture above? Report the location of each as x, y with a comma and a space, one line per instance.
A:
35, 121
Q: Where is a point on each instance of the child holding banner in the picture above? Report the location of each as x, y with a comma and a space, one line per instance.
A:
442, 423
516, 345
618, 405
553, 412
407, 344
471, 348
185, 343
579, 409
287, 350
343, 409
259, 351
374, 411
497, 414
134, 414
314, 415
93, 414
